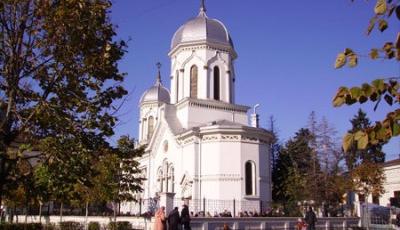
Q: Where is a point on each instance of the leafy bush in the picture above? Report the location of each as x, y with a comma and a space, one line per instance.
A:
21, 226
94, 226
49, 227
70, 225
120, 225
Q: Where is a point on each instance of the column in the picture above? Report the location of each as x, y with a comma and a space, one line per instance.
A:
167, 200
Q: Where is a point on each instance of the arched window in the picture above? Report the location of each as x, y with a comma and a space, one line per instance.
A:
144, 123
160, 179
171, 179
193, 81
177, 86
150, 128
250, 178
216, 83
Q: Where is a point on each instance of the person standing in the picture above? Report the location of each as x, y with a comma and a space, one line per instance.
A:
310, 219
160, 222
185, 218
173, 219
398, 220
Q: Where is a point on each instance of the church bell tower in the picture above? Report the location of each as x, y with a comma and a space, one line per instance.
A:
202, 55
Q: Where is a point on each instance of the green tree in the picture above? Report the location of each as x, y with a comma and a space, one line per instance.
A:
384, 89
58, 76
119, 176
293, 173
372, 153
364, 165
274, 149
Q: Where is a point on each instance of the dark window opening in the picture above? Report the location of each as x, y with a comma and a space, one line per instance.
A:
216, 83
193, 81
249, 178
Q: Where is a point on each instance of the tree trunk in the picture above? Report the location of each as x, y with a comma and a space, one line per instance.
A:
61, 212
26, 215
367, 212
115, 211
86, 215
26, 210
3, 213
15, 213
40, 212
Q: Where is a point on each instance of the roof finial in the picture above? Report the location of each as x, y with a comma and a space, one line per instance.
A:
158, 80
202, 7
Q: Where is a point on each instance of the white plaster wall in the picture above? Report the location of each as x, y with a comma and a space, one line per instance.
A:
194, 116
392, 184
221, 170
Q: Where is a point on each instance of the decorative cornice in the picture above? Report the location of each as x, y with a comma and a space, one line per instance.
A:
218, 137
219, 177
203, 45
212, 104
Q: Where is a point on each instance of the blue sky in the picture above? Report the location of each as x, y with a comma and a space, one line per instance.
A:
286, 53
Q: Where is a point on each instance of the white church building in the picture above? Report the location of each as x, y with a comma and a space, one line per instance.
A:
199, 143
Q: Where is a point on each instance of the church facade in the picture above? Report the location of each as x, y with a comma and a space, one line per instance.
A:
199, 143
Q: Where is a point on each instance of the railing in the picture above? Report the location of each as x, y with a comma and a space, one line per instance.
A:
200, 223
204, 207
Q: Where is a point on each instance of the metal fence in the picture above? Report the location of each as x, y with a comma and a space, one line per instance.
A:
203, 207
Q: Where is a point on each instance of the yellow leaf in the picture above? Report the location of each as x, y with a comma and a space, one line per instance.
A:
362, 139
371, 25
353, 60
340, 60
383, 25
338, 101
348, 140
380, 7
374, 54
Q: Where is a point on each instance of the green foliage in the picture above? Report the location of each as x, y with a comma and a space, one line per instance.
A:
370, 152
70, 225
94, 226
368, 178
21, 226
380, 89
120, 225
59, 79
294, 170
363, 164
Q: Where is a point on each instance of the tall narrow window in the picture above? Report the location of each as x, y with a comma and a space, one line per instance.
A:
216, 83
150, 129
193, 81
171, 179
160, 179
250, 178
144, 123
177, 86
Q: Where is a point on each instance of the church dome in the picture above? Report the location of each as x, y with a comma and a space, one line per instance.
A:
200, 29
156, 93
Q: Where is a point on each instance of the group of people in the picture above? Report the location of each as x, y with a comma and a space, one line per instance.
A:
174, 221
309, 221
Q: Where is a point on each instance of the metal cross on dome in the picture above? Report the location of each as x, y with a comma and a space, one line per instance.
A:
158, 64
202, 6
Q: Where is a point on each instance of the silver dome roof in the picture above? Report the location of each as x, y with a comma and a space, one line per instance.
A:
202, 29
156, 93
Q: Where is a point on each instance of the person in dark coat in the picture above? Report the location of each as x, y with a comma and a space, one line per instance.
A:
185, 218
310, 219
173, 219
